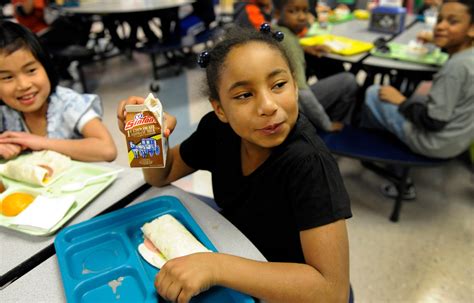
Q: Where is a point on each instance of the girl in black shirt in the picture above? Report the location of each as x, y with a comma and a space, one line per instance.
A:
271, 175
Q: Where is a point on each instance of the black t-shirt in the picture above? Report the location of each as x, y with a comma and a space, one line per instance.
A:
297, 188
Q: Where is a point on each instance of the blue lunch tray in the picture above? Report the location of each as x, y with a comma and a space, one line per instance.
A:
99, 259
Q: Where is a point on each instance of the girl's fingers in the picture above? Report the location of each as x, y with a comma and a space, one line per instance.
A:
170, 124
8, 151
172, 292
121, 109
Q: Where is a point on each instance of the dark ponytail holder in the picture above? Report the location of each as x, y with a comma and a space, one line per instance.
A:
278, 36
266, 29
203, 59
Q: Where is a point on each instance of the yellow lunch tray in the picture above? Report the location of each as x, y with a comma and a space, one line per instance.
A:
339, 45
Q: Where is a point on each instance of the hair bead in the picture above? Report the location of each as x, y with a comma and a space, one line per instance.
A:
265, 28
279, 36
203, 59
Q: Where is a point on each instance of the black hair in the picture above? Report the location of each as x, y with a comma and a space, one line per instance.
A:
14, 36
468, 3
236, 36
280, 4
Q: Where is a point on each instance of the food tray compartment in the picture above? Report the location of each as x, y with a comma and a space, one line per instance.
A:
99, 259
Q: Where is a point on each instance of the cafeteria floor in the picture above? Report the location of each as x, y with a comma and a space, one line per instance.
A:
426, 257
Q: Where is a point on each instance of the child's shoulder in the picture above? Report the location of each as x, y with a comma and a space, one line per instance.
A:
291, 40
459, 65
67, 100
285, 30
303, 152
66, 95
464, 57
304, 139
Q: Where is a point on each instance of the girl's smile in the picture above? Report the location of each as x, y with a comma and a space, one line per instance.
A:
24, 84
27, 99
272, 129
258, 96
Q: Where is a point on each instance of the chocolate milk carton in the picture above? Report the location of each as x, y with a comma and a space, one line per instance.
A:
146, 143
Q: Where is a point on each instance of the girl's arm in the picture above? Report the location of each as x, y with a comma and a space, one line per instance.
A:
175, 169
97, 144
324, 277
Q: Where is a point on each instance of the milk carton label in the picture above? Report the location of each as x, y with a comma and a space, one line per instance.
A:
146, 144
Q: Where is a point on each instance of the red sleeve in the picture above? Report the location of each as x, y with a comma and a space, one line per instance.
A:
255, 15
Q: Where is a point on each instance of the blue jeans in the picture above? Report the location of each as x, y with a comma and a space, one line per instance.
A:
386, 115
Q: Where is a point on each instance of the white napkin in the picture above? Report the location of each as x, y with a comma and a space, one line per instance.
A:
44, 212
336, 45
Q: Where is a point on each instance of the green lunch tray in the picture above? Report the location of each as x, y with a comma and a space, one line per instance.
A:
400, 52
77, 172
335, 20
316, 30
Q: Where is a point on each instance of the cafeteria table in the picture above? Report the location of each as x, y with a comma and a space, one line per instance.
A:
21, 252
121, 20
359, 30
101, 7
44, 284
403, 38
405, 76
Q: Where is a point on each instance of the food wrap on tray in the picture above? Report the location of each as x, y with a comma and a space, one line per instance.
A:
38, 168
171, 239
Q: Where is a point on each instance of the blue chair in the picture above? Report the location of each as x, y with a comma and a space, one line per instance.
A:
373, 148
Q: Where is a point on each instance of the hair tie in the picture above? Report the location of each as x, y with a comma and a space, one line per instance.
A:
266, 29
203, 59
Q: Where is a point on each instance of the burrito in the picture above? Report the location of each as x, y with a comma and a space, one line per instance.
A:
38, 168
166, 238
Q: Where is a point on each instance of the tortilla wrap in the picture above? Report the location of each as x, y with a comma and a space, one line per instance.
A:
38, 168
171, 238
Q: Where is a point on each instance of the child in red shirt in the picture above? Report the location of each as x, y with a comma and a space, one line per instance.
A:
252, 13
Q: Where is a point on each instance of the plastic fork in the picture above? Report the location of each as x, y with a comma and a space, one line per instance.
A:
75, 186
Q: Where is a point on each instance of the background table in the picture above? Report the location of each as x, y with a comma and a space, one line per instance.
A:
405, 76
17, 247
359, 30
44, 284
403, 38
123, 6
